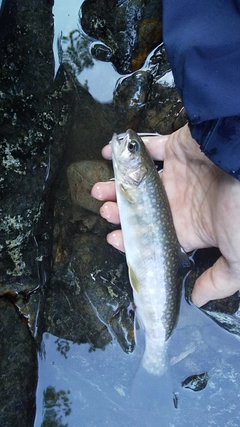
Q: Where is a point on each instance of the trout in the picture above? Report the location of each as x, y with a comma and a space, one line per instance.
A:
152, 249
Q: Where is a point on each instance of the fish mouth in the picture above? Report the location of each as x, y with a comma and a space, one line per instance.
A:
115, 139
116, 148
120, 136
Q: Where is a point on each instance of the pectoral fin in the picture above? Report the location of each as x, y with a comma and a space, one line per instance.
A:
133, 279
126, 194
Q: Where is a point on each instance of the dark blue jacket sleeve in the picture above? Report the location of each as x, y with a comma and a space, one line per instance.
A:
202, 41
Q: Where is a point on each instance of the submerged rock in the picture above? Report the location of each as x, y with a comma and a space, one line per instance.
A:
81, 178
88, 298
18, 369
53, 251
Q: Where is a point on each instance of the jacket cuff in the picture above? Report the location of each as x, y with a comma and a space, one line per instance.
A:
220, 140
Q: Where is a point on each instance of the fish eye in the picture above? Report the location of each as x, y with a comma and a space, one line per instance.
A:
133, 146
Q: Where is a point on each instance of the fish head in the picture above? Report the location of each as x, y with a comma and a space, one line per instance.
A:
130, 158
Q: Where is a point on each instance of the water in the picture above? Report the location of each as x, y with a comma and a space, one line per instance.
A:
100, 388
79, 386
100, 76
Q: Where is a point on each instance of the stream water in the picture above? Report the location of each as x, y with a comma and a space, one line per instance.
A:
79, 385
101, 77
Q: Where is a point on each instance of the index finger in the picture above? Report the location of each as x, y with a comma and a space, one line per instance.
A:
155, 145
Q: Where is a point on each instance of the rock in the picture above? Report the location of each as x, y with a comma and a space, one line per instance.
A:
196, 382
88, 296
130, 29
81, 178
31, 148
93, 126
225, 311
101, 52
148, 100
18, 369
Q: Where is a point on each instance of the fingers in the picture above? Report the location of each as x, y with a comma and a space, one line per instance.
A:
107, 152
104, 191
155, 145
107, 191
109, 211
219, 281
115, 238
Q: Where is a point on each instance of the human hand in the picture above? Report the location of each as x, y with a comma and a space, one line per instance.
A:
205, 204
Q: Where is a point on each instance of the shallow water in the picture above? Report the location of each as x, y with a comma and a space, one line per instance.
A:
79, 386
110, 388
94, 388
100, 76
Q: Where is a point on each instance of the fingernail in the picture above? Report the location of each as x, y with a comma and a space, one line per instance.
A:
97, 192
105, 213
115, 240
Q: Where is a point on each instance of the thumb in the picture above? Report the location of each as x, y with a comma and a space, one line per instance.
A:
156, 145
219, 281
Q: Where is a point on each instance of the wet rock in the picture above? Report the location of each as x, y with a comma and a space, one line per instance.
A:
24, 139
130, 98
33, 140
196, 382
34, 118
225, 311
92, 128
164, 112
81, 178
222, 316
130, 29
88, 296
26, 61
148, 100
101, 52
18, 369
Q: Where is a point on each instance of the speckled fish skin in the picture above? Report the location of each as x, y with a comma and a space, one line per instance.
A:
151, 245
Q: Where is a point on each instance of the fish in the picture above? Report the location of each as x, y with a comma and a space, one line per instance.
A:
153, 253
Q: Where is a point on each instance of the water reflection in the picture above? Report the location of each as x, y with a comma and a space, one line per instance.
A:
63, 346
84, 297
87, 385
57, 406
110, 388
74, 49
98, 382
72, 46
